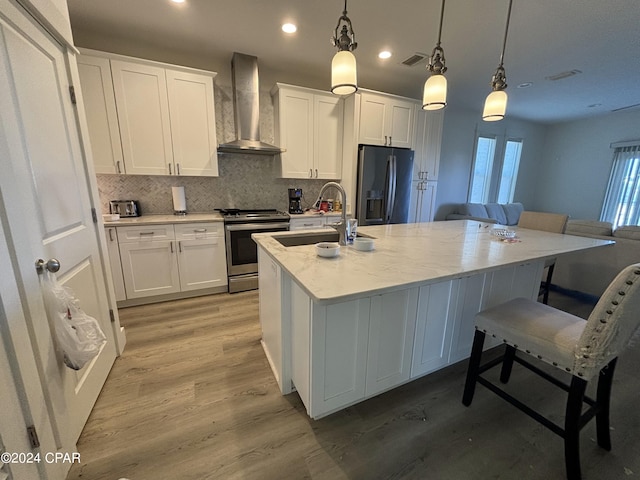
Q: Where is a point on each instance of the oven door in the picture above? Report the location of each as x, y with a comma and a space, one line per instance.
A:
242, 251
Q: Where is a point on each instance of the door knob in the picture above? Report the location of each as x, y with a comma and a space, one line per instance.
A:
53, 265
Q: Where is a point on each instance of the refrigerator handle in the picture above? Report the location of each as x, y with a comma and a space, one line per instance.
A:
391, 188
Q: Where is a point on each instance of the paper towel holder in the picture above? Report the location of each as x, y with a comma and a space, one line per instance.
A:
179, 201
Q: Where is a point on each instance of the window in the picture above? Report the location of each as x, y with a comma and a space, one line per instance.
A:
495, 169
622, 200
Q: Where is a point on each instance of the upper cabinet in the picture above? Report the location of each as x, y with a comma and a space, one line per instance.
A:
165, 117
386, 120
309, 126
427, 144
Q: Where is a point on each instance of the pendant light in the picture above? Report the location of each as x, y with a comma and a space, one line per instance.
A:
434, 96
495, 106
344, 78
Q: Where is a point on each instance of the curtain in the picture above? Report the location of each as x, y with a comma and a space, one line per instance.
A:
622, 200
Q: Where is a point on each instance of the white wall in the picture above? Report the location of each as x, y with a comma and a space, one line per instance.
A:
577, 161
458, 141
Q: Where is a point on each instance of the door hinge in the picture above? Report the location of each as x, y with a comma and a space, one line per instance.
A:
33, 436
112, 316
72, 94
94, 215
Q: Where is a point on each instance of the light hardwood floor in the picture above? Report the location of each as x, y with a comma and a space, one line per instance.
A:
193, 398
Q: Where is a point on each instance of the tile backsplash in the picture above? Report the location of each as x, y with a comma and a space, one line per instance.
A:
245, 181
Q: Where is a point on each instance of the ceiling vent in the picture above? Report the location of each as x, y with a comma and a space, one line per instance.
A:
415, 59
560, 76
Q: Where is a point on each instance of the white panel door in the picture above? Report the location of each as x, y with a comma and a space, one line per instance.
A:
329, 119
44, 164
338, 355
193, 127
295, 118
391, 334
102, 117
149, 268
436, 309
202, 263
143, 116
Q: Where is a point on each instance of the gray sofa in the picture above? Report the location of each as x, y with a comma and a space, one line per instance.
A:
501, 213
591, 271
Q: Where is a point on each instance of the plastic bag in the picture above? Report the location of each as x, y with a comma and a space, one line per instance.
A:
79, 335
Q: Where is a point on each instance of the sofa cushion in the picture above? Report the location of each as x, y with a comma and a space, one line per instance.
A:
512, 211
628, 231
496, 212
589, 227
473, 210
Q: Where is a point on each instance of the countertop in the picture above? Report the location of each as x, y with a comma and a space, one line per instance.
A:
414, 254
160, 219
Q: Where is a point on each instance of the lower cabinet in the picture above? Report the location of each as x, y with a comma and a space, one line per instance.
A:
345, 352
166, 259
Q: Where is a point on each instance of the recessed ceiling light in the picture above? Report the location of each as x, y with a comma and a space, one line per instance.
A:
594, 105
525, 85
289, 28
178, 1
384, 54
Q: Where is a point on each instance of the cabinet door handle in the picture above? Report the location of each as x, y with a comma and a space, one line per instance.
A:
171, 245
310, 173
389, 140
146, 233
111, 235
169, 168
385, 140
316, 173
177, 169
200, 230
180, 246
118, 167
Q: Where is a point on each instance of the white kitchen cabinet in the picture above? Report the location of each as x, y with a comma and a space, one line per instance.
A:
143, 117
423, 201
114, 262
434, 326
469, 302
163, 259
386, 120
392, 326
149, 264
193, 128
309, 127
427, 144
164, 116
201, 255
102, 117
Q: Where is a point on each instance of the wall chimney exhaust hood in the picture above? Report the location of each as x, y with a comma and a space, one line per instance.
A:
246, 108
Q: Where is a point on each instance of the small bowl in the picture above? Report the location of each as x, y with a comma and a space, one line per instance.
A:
363, 244
327, 249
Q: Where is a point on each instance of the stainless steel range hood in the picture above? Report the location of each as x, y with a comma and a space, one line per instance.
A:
246, 107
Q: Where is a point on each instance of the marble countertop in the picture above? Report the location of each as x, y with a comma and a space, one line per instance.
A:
414, 254
160, 219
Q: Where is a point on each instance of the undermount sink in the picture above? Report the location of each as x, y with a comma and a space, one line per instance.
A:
310, 238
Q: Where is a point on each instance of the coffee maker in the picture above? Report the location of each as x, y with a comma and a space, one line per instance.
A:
295, 197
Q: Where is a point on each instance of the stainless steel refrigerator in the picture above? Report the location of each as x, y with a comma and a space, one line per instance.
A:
384, 184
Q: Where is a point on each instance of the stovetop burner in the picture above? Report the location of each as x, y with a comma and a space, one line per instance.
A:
240, 215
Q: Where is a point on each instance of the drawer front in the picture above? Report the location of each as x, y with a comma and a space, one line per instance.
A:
193, 231
306, 223
148, 233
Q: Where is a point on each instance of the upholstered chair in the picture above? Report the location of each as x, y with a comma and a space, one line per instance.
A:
547, 222
583, 350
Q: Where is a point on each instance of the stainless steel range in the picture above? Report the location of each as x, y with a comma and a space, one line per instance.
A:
242, 251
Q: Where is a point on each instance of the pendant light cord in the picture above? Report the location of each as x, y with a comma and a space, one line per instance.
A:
441, 19
506, 31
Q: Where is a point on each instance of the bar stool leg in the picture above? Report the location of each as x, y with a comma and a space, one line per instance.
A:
572, 428
507, 364
603, 399
474, 366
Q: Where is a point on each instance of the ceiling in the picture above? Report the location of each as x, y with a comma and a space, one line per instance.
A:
546, 37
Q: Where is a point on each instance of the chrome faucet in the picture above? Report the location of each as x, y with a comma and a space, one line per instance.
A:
342, 226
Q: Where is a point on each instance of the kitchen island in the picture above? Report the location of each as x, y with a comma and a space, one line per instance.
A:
341, 330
